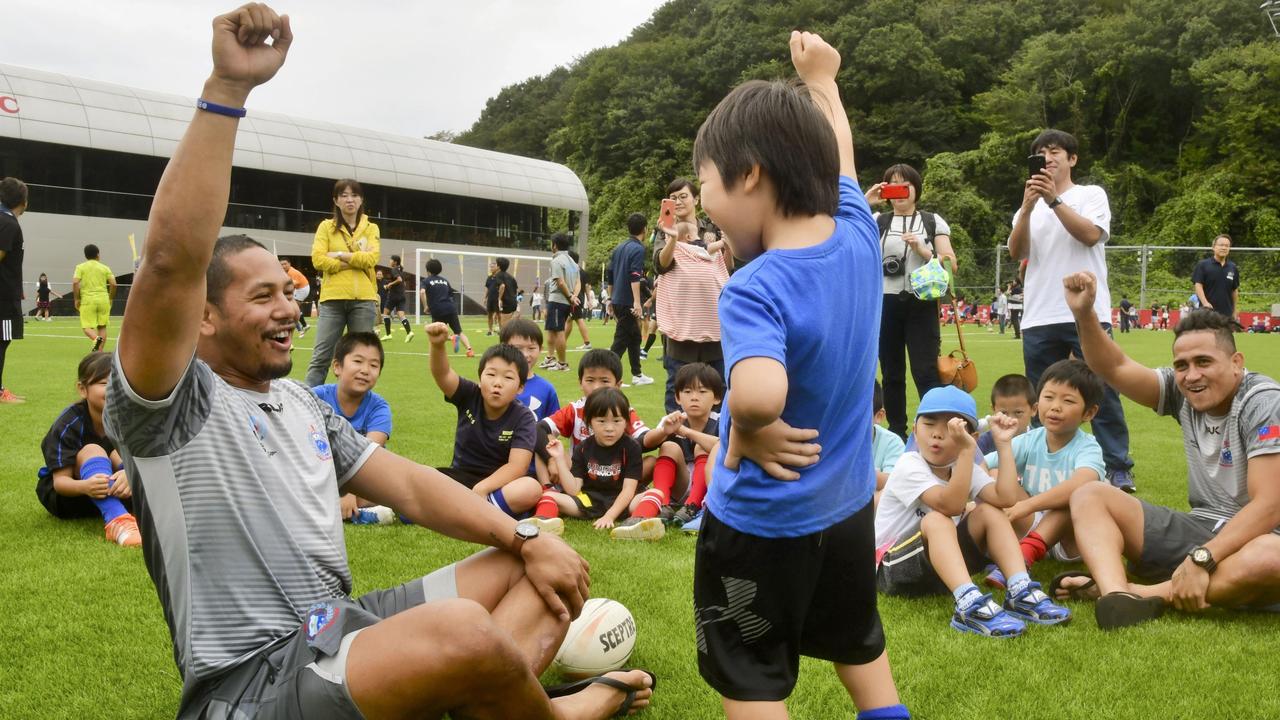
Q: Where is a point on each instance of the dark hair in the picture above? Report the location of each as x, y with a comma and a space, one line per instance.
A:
218, 276
908, 174
520, 327
1013, 385
702, 375
1075, 374
1206, 320
605, 400
1055, 138
679, 184
1221, 235
573, 255
347, 343
560, 241
93, 367
338, 188
779, 127
502, 263
502, 351
877, 397
636, 223
434, 267
600, 358
91, 251
13, 192
396, 259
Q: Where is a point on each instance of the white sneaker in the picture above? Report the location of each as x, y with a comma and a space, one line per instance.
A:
634, 528
641, 380
584, 346
552, 526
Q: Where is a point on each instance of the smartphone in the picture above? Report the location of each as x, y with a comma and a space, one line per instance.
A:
1035, 163
895, 191
667, 214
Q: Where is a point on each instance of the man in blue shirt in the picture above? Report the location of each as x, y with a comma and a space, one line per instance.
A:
626, 272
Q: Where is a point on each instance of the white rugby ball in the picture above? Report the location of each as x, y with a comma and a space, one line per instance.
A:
599, 641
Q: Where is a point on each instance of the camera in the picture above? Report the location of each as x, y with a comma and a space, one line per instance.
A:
892, 266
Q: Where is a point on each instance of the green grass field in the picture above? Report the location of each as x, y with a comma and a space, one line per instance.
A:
85, 638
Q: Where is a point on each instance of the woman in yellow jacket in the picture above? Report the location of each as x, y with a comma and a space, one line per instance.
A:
345, 252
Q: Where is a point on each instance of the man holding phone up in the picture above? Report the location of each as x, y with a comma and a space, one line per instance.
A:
1062, 228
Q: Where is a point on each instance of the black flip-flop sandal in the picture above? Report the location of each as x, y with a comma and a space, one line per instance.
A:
1122, 609
555, 691
1078, 592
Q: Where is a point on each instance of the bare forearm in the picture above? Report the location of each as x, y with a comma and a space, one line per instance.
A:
635, 293
451, 509
1080, 227
956, 494
1204, 301
831, 106
1020, 238
500, 478
1255, 519
1059, 497
667, 254
619, 505
1006, 477
446, 379
701, 439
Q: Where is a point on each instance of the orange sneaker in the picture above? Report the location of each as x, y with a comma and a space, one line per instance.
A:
123, 531
9, 398
471, 353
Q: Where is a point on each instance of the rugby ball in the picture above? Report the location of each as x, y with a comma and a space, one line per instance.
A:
599, 641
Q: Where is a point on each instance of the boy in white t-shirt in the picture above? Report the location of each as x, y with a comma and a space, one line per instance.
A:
1052, 461
1062, 228
927, 494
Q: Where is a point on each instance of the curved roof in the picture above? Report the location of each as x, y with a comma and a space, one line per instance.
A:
48, 107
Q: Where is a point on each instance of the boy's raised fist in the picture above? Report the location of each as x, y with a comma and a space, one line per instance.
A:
438, 333
814, 58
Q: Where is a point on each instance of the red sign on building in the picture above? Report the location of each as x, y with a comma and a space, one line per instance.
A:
9, 104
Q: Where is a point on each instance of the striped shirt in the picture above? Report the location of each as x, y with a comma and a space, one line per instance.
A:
689, 293
236, 493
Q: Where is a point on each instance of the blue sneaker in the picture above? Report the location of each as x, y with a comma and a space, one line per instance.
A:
1122, 479
985, 617
1034, 606
995, 578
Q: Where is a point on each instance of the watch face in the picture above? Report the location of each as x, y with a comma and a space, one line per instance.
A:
1200, 555
526, 530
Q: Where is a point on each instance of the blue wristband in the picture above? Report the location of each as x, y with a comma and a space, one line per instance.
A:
220, 109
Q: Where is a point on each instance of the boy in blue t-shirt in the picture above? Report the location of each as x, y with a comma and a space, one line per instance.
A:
1053, 460
785, 569
886, 446
357, 364
538, 394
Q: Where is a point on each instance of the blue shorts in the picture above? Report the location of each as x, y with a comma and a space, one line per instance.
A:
557, 316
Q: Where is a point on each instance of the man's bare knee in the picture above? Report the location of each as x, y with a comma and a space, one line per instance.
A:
462, 634
1090, 498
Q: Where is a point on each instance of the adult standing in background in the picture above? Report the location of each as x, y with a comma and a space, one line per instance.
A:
535, 303
345, 253
1126, 308
1217, 280
492, 288
94, 287
1062, 228
508, 291
626, 271
909, 238
1015, 294
697, 339
13, 202
1001, 308
560, 300
301, 290
577, 312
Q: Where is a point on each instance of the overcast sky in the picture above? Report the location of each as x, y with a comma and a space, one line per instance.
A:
412, 68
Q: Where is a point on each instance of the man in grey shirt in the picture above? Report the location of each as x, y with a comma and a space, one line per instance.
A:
236, 475
562, 295
1225, 551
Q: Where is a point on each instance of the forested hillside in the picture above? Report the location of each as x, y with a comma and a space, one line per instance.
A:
1176, 105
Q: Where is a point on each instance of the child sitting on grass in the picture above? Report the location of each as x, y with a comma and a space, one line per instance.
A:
601, 484
1015, 396
1054, 460
357, 364
886, 446
495, 437
538, 394
927, 494
82, 474
699, 388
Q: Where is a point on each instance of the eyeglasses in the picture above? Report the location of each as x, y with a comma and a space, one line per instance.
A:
682, 196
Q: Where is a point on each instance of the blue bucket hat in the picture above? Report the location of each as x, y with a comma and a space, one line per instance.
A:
950, 399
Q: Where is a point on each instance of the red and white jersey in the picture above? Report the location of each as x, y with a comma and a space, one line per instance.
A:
570, 420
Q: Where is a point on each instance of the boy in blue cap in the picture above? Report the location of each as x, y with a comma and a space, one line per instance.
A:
924, 503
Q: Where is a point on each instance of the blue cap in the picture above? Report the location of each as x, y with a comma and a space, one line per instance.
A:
950, 399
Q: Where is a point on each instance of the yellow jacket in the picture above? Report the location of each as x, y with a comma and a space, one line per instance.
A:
355, 282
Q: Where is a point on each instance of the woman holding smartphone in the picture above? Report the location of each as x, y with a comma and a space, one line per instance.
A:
909, 238
345, 253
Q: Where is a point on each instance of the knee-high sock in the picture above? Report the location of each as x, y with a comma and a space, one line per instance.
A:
664, 479
4, 348
386, 323
698, 482
110, 507
547, 507
649, 343
405, 322
1033, 548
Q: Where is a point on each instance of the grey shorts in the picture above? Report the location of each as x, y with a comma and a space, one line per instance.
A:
304, 674
1167, 536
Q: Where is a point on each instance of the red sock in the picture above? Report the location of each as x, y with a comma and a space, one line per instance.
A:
664, 478
1033, 548
547, 507
650, 504
698, 483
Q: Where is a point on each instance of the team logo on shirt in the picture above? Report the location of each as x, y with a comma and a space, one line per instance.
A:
504, 437
260, 432
320, 442
320, 617
1226, 460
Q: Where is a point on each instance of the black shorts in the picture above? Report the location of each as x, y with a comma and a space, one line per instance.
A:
394, 303
912, 575
557, 315
1167, 536
467, 478
760, 603
577, 312
491, 305
451, 320
10, 320
66, 507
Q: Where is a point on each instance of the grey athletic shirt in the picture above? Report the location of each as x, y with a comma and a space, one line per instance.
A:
236, 495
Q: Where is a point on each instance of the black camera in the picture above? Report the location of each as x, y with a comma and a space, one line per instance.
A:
892, 266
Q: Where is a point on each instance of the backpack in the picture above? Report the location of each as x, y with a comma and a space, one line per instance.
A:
930, 225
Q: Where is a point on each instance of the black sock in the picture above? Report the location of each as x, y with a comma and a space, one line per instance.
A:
386, 322
4, 348
649, 343
405, 323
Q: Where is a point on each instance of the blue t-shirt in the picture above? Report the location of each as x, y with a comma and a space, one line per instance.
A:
373, 415
1041, 470
767, 310
886, 449
626, 265
539, 395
